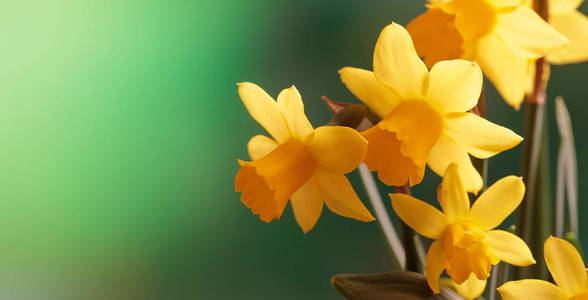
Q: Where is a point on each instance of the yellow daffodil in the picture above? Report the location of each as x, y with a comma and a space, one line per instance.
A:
300, 163
465, 243
424, 114
567, 20
470, 289
568, 271
503, 36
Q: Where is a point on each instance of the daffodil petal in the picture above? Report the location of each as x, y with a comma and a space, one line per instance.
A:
509, 248
446, 152
531, 289
506, 69
338, 148
339, 195
397, 64
454, 198
422, 217
566, 265
264, 110
563, 6
364, 85
473, 18
505, 3
478, 136
472, 288
260, 146
434, 265
435, 36
498, 202
293, 108
529, 35
574, 25
307, 204
454, 85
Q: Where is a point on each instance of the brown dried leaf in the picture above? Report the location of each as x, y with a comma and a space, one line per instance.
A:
389, 286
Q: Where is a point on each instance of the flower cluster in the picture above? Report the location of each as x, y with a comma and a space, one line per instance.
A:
424, 88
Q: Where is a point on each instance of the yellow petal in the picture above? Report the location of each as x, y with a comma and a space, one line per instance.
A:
435, 36
417, 125
527, 34
454, 198
384, 156
293, 109
470, 289
455, 85
338, 148
260, 146
498, 202
574, 26
264, 110
506, 3
566, 265
478, 136
422, 217
434, 265
307, 204
563, 6
446, 152
339, 195
506, 69
364, 85
473, 18
397, 64
531, 289
509, 248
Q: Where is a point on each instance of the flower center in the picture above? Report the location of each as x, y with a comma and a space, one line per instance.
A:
466, 251
473, 18
418, 127
266, 184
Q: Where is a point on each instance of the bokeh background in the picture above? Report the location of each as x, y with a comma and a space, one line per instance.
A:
120, 127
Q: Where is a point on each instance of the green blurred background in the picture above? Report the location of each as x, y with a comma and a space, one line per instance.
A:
120, 127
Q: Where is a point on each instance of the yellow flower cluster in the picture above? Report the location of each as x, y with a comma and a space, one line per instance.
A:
426, 80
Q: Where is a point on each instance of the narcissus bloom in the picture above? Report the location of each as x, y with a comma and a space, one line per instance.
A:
503, 36
424, 114
465, 243
568, 271
300, 163
567, 20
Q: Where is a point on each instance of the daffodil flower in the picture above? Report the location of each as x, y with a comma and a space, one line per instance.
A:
568, 271
300, 163
465, 242
503, 36
424, 114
